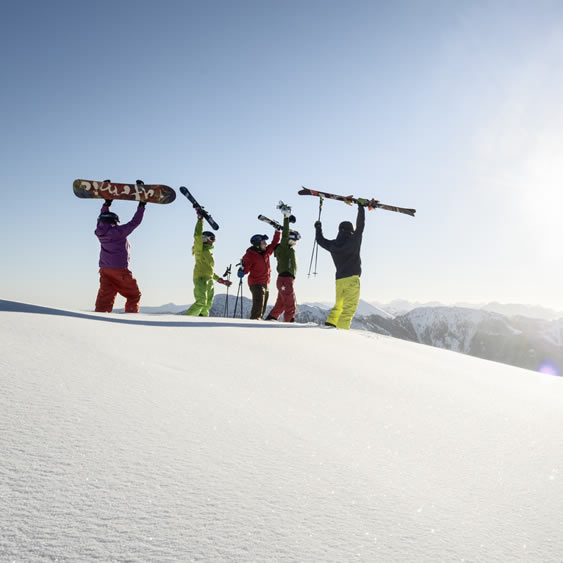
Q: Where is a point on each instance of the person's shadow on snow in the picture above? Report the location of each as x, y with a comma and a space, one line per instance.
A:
130, 318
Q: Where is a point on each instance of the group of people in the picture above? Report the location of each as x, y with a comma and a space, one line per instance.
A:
115, 276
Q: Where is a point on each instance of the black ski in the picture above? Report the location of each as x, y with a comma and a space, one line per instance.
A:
370, 203
199, 208
277, 225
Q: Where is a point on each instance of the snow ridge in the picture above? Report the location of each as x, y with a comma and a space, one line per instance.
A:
159, 437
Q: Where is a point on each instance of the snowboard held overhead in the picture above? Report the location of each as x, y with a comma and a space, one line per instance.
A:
138, 191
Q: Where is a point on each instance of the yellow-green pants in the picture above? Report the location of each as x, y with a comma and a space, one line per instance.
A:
347, 298
203, 293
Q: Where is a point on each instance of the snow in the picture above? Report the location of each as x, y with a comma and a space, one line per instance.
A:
167, 438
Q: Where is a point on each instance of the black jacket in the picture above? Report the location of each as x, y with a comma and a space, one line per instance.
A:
345, 248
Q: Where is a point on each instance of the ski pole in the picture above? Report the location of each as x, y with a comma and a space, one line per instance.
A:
239, 292
315, 253
227, 275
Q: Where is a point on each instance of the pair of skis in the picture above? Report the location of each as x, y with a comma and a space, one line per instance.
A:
278, 226
200, 210
370, 203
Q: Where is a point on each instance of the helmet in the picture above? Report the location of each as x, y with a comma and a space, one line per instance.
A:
208, 236
255, 240
109, 217
294, 236
346, 226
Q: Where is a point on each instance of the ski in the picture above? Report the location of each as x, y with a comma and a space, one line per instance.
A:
199, 208
277, 225
370, 203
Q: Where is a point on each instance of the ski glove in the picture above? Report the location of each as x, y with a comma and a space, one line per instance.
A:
108, 202
240, 273
142, 204
318, 224
225, 282
367, 202
285, 209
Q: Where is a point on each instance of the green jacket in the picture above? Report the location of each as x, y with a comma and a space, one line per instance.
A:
285, 254
204, 262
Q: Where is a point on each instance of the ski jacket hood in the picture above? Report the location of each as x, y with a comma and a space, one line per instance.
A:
257, 262
114, 252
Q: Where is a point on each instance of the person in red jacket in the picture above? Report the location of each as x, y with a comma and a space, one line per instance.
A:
256, 263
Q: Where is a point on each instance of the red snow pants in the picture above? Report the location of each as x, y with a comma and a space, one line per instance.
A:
114, 281
285, 303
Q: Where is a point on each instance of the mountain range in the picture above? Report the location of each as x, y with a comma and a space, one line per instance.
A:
520, 335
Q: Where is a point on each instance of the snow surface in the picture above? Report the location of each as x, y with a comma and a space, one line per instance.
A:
166, 438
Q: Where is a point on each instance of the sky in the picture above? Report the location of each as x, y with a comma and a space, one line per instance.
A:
452, 108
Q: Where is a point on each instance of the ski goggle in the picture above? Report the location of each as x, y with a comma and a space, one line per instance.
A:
208, 238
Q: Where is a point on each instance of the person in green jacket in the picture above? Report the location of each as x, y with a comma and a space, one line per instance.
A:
287, 269
204, 274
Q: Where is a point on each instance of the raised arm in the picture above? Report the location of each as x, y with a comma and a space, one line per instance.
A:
272, 246
128, 228
285, 231
321, 241
198, 237
361, 219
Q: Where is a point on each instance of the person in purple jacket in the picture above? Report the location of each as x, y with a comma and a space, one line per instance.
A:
115, 276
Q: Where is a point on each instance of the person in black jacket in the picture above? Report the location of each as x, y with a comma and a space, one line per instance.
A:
345, 252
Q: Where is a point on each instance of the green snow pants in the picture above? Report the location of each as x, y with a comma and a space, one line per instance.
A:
347, 299
203, 293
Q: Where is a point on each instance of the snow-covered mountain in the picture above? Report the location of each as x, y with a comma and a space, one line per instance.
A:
401, 307
519, 310
170, 438
518, 341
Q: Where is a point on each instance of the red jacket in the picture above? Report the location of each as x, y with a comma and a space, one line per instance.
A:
257, 263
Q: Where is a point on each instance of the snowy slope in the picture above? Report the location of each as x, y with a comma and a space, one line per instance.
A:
167, 438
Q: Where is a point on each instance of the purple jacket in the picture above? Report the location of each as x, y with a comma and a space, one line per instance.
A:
113, 238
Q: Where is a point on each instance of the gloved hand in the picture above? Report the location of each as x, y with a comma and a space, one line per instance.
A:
240, 273
108, 202
285, 209
366, 202
318, 224
142, 204
292, 219
225, 282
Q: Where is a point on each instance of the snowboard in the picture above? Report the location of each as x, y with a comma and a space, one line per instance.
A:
139, 191
277, 225
370, 203
199, 208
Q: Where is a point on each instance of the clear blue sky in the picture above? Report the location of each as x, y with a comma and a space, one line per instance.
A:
454, 108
